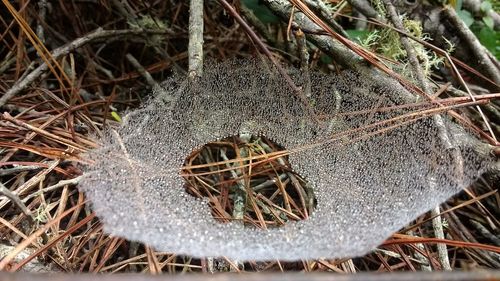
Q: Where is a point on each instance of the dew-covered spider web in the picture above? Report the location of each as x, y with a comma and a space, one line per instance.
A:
373, 164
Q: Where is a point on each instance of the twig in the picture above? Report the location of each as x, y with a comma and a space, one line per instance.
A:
412, 57
32, 181
50, 243
302, 50
485, 232
452, 62
320, 8
195, 48
124, 9
422, 260
98, 34
308, 202
15, 199
26, 242
304, 60
18, 169
261, 27
443, 134
62, 183
336, 50
42, 12
364, 7
240, 193
422, 80
479, 51
266, 51
464, 234
361, 20
132, 251
269, 182
239, 204
9, 59
149, 79
351, 60
257, 41
437, 226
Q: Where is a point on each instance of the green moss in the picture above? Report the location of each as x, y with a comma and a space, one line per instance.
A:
387, 42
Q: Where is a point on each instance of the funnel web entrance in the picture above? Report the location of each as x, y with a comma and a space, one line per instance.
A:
243, 182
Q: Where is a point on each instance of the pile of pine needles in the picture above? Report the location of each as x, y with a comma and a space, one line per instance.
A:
104, 58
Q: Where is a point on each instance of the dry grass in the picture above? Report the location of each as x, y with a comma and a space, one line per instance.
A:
48, 124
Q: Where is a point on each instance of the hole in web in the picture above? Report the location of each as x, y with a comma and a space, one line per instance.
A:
244, 182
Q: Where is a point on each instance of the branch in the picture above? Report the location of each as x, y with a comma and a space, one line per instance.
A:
342, 55
364, 7
97, 35
258, 42
144, 73
195, 48
15, 199
320, 8
481, 54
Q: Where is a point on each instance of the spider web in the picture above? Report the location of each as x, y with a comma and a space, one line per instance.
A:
370, 178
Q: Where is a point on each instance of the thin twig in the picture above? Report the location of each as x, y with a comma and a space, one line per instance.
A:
149, 79
297, 91
339, 52
437, 226
19, 169
261, 27
443, 134
195, 48
481, 54
42, 13
15, 199
32, 181
97, 35
62, 183
364, 7
320, 8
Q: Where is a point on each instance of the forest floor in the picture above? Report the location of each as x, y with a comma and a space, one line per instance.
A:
69, 69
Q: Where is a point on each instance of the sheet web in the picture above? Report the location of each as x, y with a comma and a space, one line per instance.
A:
369, 180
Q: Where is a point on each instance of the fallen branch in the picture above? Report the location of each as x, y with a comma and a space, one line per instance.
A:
97, 35
481, 54
195, 48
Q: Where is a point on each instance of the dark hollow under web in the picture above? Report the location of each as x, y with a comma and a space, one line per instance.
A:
260, 192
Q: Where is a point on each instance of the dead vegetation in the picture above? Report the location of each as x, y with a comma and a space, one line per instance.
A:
70, 68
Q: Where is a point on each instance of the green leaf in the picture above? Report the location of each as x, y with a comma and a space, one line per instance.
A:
466, 16
490, 39
326, 59
116, 116
489, 22
486, 6
458, 5
261, 11
358, 35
